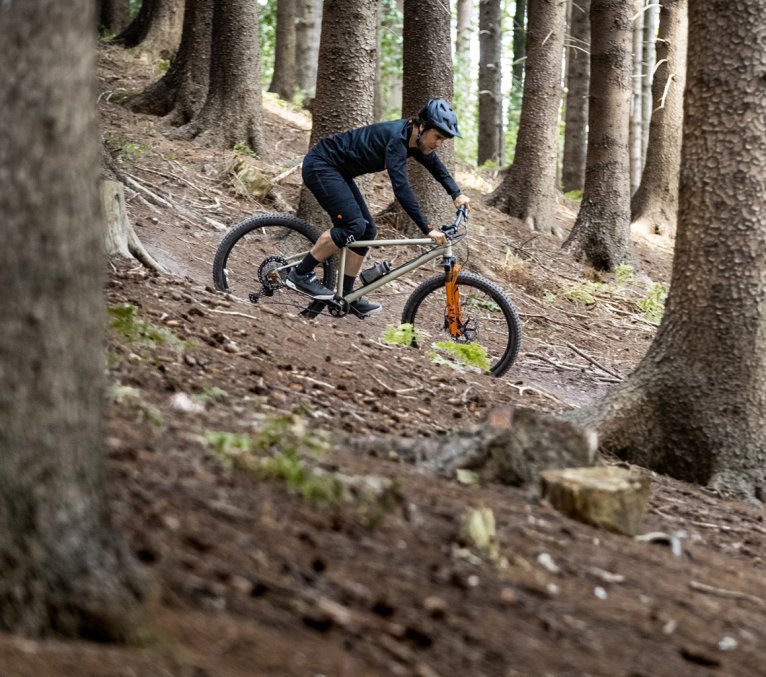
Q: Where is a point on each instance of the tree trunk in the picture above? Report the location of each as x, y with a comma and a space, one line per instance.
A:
519, 45
655, 205
113, 15
578, 82
308, 27
490, 77
427, 74
464, 85
181, 91
694, 406
232, 110
283, 77
601, 234
156, 29
636, 111
651, 24
518, 65
65, 569
345, 79
388, 103
528, 190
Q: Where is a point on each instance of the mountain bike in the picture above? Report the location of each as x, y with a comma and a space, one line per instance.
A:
456, 306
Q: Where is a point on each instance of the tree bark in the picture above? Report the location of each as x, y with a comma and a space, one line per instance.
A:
601, 234
113, 15
694, 407
528, 190
345, 80
181, 91
490, 80
635, 143
156, 29
519, 45
308, 29
232, 111
654, 206
578, 82
65, 569
283, 77
651, 24
427, 74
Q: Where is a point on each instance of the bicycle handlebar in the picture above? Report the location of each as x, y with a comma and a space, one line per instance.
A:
462, 215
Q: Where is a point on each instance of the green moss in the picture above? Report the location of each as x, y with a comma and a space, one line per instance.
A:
465, 354
653, 304
403, 335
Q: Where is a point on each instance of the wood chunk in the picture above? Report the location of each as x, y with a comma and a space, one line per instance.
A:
609, 497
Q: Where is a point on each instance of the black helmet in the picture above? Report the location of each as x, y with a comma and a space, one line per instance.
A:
439, 114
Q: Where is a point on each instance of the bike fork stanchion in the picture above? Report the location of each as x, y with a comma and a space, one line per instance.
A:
454, 320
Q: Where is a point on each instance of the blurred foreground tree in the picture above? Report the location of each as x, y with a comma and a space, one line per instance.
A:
64, 568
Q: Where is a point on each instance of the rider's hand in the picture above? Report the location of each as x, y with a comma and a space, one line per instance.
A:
437, 236
461, 200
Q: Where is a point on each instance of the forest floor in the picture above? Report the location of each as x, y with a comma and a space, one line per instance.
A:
253, 575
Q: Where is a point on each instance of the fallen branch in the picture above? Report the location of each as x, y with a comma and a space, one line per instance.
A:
594, 361
726, 594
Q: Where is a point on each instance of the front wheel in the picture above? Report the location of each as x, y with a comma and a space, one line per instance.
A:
487, 333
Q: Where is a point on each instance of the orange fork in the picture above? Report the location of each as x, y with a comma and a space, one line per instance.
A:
453, 302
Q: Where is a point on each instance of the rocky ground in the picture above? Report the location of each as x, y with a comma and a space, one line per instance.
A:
273, 549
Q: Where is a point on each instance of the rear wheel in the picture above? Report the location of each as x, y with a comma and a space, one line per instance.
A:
489, 325
255, 256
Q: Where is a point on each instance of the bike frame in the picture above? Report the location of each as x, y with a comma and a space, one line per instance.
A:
444, 250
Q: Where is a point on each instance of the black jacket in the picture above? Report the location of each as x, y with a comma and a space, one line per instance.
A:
385, 146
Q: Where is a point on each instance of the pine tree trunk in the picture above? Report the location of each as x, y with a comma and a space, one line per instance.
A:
427, 74
490, 77
528, 190
636, 111
651, 24
654, 207
156, 29
345, 80
519, 45
181, 91
694, 406
601, 234
232, 111
283, 77
578, 82
65, 570
114, 15
308, 28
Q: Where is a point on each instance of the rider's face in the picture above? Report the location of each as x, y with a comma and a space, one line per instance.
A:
431, 140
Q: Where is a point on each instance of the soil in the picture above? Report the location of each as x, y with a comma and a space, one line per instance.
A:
252, 574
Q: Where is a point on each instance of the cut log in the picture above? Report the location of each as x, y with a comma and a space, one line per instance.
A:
120, 238
609, 497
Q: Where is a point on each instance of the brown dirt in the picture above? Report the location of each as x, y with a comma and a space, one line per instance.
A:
250, 577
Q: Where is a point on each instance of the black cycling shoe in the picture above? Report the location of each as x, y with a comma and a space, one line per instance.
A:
362, 308
308, 284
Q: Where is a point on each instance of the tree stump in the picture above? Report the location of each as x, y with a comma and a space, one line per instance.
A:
120, 237
609, 497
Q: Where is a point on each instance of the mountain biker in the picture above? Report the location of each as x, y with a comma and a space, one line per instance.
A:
329, 169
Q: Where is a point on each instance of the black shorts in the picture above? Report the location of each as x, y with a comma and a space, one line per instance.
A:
341, 198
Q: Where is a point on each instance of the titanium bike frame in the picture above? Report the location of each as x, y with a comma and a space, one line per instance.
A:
444, 250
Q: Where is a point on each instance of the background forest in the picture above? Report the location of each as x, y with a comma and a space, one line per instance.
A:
194, 484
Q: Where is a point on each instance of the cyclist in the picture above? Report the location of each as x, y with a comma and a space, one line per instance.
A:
329, 169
